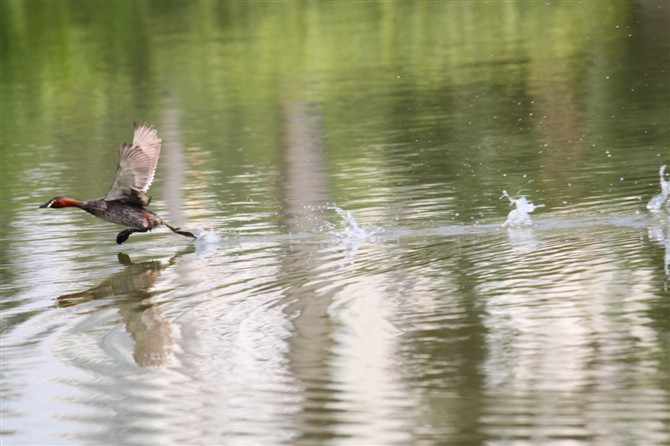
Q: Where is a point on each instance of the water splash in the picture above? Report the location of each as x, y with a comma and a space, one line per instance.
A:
352, 230
657, 200
207, 241
206, 236
353, 234
519, 217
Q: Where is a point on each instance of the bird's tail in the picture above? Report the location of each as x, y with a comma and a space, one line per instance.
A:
179, 231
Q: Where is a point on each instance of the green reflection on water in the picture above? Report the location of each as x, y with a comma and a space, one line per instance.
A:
434, 75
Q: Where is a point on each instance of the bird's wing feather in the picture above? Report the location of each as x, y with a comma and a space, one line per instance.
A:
145, 159
137, 166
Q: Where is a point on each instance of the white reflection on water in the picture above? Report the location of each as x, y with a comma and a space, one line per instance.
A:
365, 366
236, 348
659, 232
554, 337
522, 240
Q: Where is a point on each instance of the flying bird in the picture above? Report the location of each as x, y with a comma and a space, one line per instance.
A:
126, 201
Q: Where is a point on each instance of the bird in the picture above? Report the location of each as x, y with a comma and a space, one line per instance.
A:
126, 201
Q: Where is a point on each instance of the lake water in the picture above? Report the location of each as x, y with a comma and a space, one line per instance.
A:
344, 165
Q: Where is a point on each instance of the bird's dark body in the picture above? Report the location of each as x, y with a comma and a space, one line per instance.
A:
122, 213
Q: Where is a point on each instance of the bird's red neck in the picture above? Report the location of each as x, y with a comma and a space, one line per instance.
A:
62, 202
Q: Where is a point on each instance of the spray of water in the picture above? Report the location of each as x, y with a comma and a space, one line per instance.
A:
657, 200
207, 241
519, 217
352, 230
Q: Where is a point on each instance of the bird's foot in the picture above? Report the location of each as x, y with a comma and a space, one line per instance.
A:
186, 233
123, 236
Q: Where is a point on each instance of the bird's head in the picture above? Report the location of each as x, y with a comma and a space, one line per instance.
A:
59, 202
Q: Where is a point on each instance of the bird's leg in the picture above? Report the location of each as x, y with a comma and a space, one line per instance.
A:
123, 235
178, 230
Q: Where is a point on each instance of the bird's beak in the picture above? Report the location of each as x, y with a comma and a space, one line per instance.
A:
46, 205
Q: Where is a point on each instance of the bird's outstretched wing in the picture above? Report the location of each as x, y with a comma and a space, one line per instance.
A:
137, 165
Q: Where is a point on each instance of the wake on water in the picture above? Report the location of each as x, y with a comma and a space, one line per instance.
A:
350, 233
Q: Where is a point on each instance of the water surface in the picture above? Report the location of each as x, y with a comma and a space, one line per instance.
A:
344, 166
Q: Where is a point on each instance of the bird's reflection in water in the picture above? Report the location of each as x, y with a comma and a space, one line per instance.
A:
130, 291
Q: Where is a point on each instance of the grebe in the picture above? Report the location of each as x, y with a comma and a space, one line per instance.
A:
125, 203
